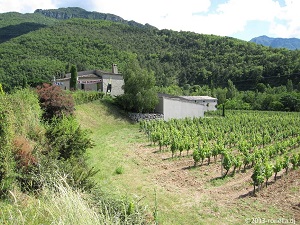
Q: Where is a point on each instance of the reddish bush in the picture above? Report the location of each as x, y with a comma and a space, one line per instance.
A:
23, 153
54, 101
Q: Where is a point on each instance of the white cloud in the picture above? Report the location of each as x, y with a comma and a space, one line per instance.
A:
160, 13
24, 6
289, 14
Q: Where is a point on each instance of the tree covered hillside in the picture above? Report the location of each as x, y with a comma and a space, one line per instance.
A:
175, 57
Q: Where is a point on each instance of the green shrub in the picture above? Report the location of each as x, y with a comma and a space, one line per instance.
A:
66, 139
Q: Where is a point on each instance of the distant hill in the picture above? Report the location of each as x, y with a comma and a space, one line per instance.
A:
76, 12
289, 43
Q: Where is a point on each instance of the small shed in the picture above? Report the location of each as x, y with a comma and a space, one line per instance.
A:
178, 108
96, 80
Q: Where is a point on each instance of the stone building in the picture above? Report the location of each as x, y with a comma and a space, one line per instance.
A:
96, 80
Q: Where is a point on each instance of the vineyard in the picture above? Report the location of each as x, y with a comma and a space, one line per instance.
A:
266, 142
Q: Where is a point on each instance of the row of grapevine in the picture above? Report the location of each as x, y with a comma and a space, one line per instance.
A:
242, 138
263, 170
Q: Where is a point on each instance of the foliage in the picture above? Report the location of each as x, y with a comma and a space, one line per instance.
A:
7, 163
54, 101
66, 139
19, 121
74, 77
258, 175
235, 138
1, 90
277, 167
60, 203
29, 164
81, 97
227, 162
139, 92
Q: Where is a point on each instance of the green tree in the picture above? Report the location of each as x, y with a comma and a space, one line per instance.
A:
231, 93
289, 101
139, 92
74, 76
221, 95
261, 87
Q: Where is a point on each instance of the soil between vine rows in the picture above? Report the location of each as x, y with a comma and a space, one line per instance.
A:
180, 176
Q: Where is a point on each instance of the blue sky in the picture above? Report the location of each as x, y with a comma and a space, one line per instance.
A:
243, 19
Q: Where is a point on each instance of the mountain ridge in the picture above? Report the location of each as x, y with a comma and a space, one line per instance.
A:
77, 12
289, 43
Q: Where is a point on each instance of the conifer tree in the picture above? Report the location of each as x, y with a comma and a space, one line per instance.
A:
74, 76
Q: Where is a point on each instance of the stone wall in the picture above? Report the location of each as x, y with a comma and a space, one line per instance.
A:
136, 117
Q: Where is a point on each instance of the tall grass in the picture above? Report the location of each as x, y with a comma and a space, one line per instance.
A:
58, 203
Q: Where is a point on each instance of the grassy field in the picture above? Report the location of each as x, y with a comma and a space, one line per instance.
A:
131, 168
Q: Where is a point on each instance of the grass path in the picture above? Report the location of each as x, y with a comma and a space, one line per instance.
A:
116, 140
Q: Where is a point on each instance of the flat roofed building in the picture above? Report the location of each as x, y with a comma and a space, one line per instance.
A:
179, 107
210, 103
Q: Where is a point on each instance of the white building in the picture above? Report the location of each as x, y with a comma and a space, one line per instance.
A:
210, 103
179, 107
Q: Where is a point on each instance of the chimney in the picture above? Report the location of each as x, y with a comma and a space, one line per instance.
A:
114, 68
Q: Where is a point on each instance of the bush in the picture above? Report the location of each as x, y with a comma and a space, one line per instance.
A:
54, 101
66, 139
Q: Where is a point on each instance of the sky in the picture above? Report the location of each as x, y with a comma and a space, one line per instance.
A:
242, 19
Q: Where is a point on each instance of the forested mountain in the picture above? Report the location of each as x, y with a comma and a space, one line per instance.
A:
289, 43
47, 47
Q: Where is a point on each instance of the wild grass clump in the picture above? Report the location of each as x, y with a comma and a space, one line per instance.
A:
119, 170
59, 203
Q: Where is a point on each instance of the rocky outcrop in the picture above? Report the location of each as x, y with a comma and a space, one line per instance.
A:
76, 12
